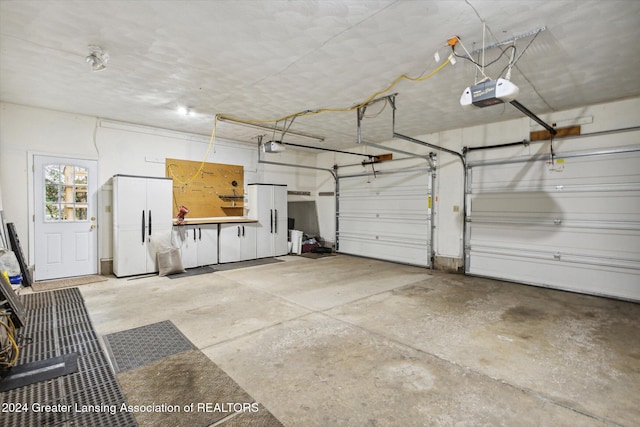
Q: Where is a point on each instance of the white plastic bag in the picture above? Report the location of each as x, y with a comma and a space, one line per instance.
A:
9, 262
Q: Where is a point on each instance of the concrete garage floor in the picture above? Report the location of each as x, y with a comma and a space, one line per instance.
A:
350, 341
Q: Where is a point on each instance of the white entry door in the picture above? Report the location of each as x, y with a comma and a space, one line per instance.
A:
66, 239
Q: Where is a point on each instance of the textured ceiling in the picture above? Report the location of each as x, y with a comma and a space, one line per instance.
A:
267, 59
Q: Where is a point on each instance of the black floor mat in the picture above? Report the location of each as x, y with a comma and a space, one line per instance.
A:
59, 324
244, 264
140, 346
193, 272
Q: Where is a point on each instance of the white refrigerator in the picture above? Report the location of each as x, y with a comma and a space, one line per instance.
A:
268, 204
142, 219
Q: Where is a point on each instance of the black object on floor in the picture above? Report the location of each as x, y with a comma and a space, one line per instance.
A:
17, 249
193, 272
316, 255
140, 346
42, 370
250, 263
58, 324
322, 250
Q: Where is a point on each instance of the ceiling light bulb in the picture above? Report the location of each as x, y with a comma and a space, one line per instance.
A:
97, 58
186, 111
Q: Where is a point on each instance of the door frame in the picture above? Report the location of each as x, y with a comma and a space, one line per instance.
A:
32, 201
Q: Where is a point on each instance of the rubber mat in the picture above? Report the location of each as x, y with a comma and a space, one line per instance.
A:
42, 370
193, 272
250, 263
140, 346
58, 324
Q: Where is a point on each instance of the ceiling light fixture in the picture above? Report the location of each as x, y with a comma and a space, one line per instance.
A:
97, 58
186, 111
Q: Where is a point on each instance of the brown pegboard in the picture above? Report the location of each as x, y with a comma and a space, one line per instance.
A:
206, 189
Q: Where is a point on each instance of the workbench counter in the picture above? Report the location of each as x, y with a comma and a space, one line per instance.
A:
216, 220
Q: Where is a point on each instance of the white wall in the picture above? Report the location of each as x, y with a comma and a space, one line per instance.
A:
139, 150
120, 148
449, 185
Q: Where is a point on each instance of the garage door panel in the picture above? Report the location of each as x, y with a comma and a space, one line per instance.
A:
386, 216
591, 242
387, 205
408, 229
403, 251
415, 215
366, 188
575, 228
384, 181
585, 278
585, 206
575, 172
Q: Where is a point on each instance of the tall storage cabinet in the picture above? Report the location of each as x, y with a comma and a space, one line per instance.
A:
268, 205
141, 211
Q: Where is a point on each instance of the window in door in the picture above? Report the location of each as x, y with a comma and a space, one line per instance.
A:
65, 193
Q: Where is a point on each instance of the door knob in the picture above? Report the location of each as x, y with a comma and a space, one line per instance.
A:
93, 226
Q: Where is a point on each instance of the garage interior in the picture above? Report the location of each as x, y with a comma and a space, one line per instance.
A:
319, 213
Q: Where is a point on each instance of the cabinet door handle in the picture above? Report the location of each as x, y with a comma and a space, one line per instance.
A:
271, 210
199, 233
238, 231
143, 223
149, 222
194, 234
276, 222
243, 231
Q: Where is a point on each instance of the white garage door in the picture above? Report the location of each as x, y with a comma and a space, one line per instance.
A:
574, 225
386, 217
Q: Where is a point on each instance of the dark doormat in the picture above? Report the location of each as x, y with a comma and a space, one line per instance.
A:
188, 389
140, 346
244, 264
193, 272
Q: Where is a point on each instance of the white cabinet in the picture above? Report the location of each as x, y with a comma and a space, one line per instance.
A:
268, 205
198, 244
141, 213
237, 242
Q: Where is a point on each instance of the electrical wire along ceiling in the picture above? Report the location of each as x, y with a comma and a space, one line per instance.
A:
306, 66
